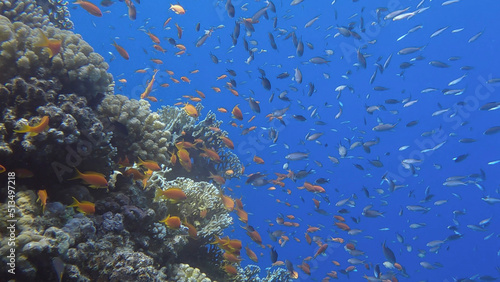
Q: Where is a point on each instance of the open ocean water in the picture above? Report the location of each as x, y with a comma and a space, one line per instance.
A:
428, 184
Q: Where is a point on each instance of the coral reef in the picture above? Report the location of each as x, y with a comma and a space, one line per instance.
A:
146, 136
153, 135
184, 272
76, 67
38, 13
63, 88
200, 196
76, 137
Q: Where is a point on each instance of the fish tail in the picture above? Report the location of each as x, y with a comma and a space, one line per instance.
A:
44, 42
24, 128
78, 175
75, 203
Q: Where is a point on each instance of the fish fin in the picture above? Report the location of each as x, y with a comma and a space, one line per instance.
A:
75, 203
78, 175
24, 128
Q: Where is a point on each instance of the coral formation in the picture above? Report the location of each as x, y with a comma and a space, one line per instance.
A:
184, 272
200, 196
153, 135
76, 67
64, 89
75, 132
37, 13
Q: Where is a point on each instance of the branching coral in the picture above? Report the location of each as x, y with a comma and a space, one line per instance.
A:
200, 196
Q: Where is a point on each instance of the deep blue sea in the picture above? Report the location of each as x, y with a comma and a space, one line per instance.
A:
453, 212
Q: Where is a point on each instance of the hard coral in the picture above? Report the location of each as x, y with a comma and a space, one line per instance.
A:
77, 68
37, 13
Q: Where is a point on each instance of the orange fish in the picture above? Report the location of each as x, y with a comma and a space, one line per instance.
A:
222, 110
152, 165
157, 61
258, 160
166, 22
159, 48
192, 232
234, 92
36, 129
237, 113
212, 154
230, 270
191, 110
170, 72
321, 250
194, 71
141, 70
179, 31
89, 7
121, 51
164, 85
216, 89
217, 178
185, 79
122, 80
251, 255
152, 99
222, 77
180, 47
84, 207
227, 142
184, 159
178, 9
53, 45
174, 80
172, 222
149, 88
153, 37
173, 195
201, 94
42, 197
232, 258
93, 179
227, 202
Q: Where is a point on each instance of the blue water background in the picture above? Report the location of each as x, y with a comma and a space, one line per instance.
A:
465, 257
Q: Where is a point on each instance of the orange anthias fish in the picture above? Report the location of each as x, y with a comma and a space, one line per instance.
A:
42, 197
178, 9
191, 110
93, 179
84, 207
35, 130
89, 7
121, 51
237, 113
174, 195
149, 88
53, 45
152, 165
172, 222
